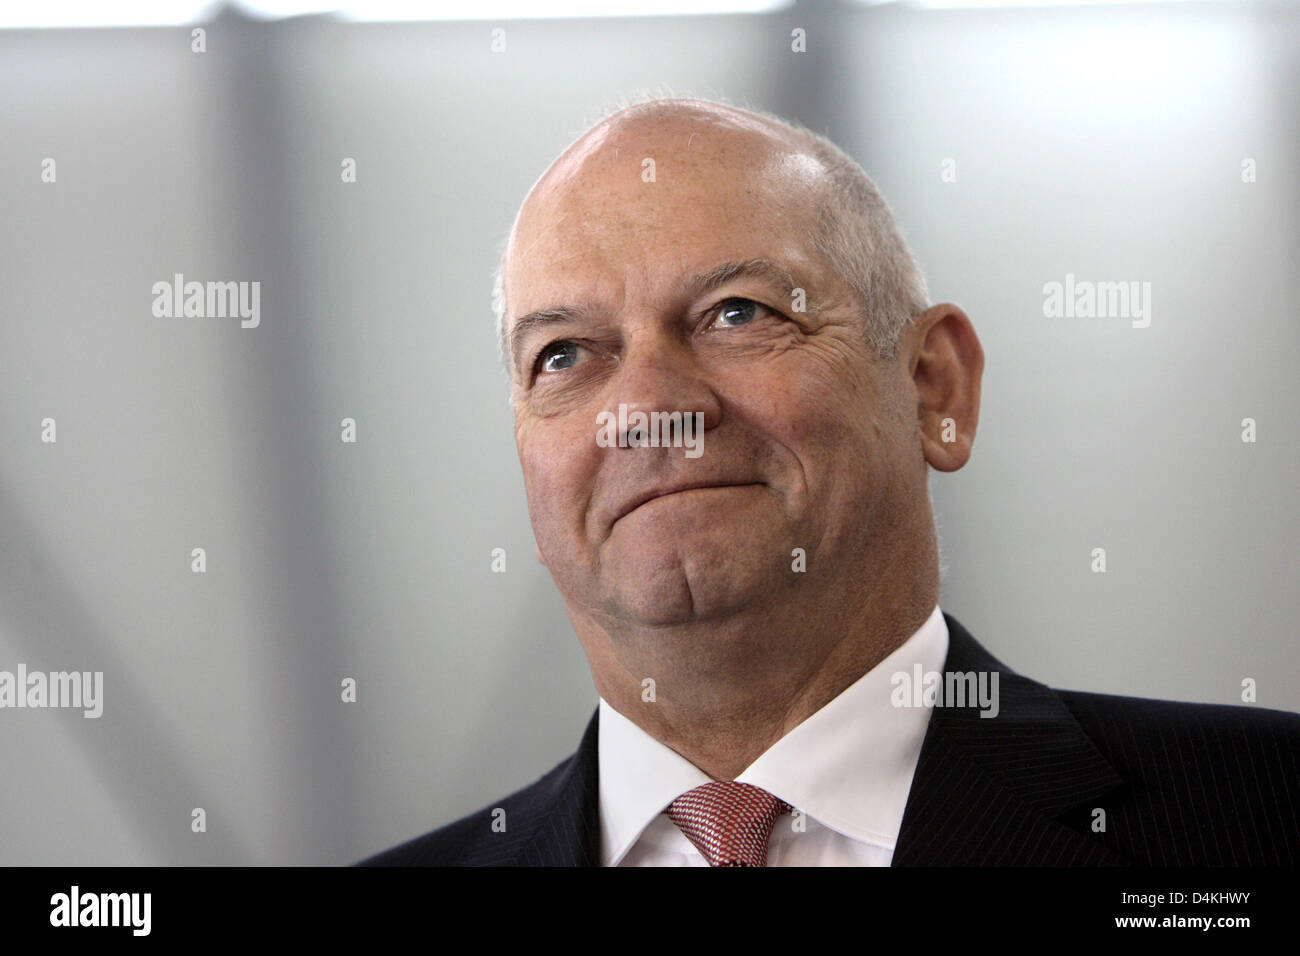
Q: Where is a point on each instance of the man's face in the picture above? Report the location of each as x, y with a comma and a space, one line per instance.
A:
809, 440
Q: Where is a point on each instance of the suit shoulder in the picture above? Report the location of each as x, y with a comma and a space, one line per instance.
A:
1148, 718
1204, 784
1226, 773
472, 840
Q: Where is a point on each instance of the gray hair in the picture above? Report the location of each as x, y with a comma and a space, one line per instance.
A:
856, 233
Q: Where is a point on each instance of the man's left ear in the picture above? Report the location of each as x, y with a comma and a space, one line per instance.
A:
946, 364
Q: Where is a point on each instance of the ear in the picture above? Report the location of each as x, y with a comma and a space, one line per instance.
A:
946, 362
537, 550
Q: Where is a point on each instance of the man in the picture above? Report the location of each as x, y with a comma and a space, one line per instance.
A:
755, 580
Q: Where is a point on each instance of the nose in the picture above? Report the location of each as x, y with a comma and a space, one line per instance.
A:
660, 373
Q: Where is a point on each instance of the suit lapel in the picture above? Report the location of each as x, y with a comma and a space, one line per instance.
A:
986, 791
566, 828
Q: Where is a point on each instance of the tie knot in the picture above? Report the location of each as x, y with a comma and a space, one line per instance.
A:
728, 822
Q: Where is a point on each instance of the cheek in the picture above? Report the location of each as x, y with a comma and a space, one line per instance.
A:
821, 409
830, 420
559, 464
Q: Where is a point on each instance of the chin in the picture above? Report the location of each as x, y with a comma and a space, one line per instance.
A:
679, 592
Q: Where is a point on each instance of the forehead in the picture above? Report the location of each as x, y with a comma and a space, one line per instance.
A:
648, 200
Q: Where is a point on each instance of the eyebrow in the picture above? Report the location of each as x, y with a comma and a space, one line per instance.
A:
765, 270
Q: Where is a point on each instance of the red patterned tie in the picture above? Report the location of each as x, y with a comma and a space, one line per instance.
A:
728, 822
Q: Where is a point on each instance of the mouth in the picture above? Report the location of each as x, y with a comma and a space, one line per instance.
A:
654, 495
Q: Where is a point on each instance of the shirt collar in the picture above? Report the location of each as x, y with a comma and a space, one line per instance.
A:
849, 765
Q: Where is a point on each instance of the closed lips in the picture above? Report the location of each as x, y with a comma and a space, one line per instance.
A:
672, 490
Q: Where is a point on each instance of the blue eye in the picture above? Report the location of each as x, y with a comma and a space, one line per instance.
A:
738, 311
557, 349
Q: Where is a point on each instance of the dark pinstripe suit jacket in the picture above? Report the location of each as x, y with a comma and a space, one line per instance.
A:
1180, 784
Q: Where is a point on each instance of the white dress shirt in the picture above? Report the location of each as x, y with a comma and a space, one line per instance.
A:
848, 768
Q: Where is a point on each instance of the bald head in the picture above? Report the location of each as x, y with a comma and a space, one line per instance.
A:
693, 133
674, 152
